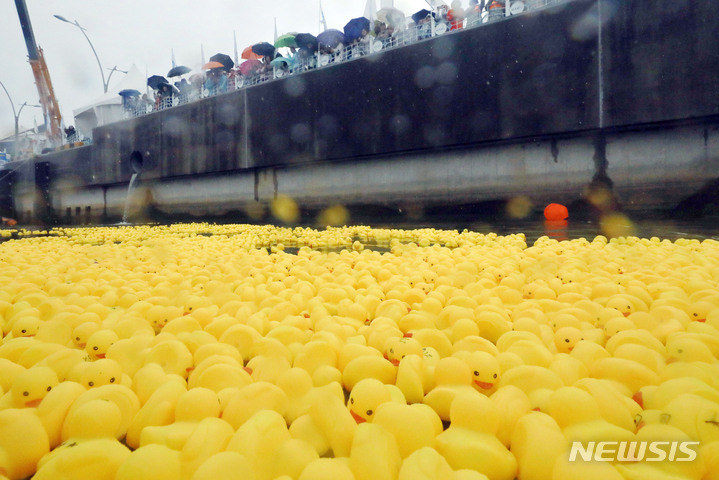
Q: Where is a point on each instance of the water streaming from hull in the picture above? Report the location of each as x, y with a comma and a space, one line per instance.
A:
130, 187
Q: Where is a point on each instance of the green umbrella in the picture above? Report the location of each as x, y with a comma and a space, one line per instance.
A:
286, 40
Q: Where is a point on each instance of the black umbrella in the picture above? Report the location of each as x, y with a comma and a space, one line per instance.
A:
129, 92
421, 15
354, 28
331, 38
265, 49
224, 60
156, 80
179, 70
306, 41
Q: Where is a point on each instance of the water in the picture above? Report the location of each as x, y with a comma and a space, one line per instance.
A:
130, 187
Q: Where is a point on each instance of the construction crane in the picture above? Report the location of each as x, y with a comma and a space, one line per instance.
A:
50, 107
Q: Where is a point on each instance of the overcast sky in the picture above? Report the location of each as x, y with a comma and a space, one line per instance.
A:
144, 33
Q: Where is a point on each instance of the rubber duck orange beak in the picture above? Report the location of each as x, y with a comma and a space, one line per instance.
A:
626, 314
484, 385
394, 361
357, 418
247, 369
639, 398
33, 403
100, 355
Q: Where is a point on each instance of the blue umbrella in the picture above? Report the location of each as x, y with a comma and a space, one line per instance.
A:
277, 62
155, 80
331, 38
354, 28
129, 92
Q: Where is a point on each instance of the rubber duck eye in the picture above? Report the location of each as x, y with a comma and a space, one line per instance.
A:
566, 340
77, 338
91, 383
23, 330
476, 373
637, 419
49, 388
494, 376
112, 380
391, 350
369, 412
95, 347
352, 401
695, 314
679, 350
25, 394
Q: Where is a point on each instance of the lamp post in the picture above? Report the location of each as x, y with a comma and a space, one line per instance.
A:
16, 114
104, 82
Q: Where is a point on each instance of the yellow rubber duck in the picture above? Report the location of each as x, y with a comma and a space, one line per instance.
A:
190, 407
412, 426
54, 407
225, 466
327, 469
537, 442
87, 459
368, 366
452, 377
374, 453
253, 398
99, 342
157, 410
23, 442
298, 386
151, 462
365, 397
123, 397
292, 457
258, 439
30, 387
172, 355
211, 437
580, 419
470, 442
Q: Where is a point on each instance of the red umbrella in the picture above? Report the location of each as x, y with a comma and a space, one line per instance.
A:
248, 54
247, 67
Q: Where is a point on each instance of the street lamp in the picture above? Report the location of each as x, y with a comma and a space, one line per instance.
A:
16, 114
104, 83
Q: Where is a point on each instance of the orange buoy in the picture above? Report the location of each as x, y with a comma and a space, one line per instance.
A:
556, 211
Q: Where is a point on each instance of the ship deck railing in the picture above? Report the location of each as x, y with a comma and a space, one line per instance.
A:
371, 45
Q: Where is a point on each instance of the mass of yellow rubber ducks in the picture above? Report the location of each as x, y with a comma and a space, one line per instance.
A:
200, 351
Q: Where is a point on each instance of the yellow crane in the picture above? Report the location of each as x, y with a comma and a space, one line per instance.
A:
50, 107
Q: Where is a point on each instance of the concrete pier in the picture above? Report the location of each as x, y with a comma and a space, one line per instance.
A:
542, 105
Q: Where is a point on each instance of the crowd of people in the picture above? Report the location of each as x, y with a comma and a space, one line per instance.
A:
361, 38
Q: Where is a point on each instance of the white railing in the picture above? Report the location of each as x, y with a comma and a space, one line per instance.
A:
411, 34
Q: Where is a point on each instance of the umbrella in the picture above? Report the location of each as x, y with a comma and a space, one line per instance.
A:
247, 67
177, 71
263, 48
225, 60
211, 65
155, 80
391, 16
277, 62
129, 92
421, 15
306, 41
331, 38
286, 40
354, 28
248, 54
